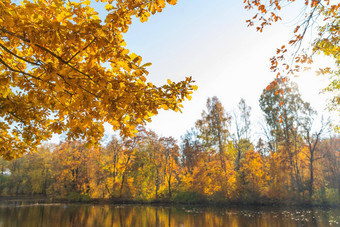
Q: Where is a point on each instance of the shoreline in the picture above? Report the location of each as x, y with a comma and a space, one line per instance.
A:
202, 203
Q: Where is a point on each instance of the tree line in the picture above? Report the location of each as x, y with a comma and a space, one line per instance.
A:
291, 162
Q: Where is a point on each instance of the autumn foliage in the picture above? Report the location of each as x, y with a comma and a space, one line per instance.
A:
63, 69
212, 162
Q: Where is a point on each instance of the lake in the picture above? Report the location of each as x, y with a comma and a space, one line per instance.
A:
23, 214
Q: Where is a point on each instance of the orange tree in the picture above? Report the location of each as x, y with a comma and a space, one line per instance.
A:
54, 74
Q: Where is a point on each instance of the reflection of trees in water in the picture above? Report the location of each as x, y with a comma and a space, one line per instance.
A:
314, 218
154, 216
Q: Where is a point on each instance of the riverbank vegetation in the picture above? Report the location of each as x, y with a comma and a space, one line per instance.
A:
218, 160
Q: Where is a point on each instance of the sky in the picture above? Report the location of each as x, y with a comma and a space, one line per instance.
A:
210, 41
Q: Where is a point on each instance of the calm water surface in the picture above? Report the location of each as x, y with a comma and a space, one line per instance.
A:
66, 215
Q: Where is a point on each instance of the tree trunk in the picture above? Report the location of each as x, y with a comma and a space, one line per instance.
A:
123, 178
311, 183
157, 183
169, 186
122, 185
114, 174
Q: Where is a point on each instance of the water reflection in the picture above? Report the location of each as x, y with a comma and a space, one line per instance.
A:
53, 215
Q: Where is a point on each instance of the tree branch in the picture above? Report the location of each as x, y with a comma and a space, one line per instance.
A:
24, 73
50, 52
31, 62
81, 50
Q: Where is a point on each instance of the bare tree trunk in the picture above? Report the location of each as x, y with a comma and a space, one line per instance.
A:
311, 176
